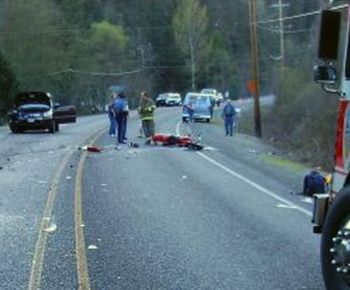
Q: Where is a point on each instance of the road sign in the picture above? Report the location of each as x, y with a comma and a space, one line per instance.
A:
252, 87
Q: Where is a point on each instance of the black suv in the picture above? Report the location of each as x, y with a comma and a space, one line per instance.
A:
36, 110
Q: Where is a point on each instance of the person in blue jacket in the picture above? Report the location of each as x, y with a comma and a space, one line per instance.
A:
228, 114
121, 110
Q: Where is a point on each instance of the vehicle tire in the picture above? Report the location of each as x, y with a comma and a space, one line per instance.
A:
208, 120
52, 127
14, 129
184, 119
57, 127
334, 237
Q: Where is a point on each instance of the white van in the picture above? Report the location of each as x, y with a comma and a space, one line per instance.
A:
202, 107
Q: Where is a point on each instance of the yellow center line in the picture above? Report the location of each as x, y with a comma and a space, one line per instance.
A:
40, 246
80, 248
39, 252
82, 268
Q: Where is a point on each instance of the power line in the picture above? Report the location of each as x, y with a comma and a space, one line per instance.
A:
124, 73
302, 15
287, 31
54, 31
96, 73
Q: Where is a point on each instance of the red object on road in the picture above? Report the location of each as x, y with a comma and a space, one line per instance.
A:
181, 141
94, 149
91, 149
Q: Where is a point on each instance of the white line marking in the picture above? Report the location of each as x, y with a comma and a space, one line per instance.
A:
256, 186
250, 182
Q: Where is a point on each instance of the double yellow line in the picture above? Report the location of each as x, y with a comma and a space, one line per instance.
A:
40, 247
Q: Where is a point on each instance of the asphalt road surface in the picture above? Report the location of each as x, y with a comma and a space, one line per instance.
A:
148, 217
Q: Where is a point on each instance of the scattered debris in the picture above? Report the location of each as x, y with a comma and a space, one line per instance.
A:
1, 168
103, 184
82, 226
252, 151
71, 166
69, 177
91, 149
184, 177
133, 145
208, 148
281, 205
92, 247
42, 182
307, 200
51, 228
189, 142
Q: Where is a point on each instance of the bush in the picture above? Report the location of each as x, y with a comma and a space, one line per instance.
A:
303, 119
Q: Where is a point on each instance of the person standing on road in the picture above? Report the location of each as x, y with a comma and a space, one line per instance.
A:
146, 111
212, 105
228, 114
190, 109
121, 114
111, 116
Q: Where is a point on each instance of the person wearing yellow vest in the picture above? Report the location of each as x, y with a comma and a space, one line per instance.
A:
146, 111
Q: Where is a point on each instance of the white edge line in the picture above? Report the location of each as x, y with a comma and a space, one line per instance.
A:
250, 182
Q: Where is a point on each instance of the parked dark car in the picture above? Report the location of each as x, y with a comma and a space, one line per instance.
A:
36, 110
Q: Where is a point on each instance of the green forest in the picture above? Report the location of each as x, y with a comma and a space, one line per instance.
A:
78, 49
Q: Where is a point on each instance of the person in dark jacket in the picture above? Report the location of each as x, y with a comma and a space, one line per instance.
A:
121, 110
228, 114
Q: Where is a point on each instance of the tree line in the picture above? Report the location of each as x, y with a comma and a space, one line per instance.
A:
78, 49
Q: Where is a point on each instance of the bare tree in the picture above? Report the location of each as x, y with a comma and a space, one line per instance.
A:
190, 25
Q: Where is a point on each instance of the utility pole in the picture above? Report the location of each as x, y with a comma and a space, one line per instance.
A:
255, 66
280, 7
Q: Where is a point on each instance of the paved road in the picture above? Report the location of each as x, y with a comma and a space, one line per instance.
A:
148, 218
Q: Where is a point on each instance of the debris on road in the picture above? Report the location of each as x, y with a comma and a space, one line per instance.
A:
92, 247
184, 177
89, 148
103, 184
180, 141
133, 145
69, 177
307, 200
208, 148
51, 228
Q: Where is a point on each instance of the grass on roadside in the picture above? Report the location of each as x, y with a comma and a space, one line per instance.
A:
283, 163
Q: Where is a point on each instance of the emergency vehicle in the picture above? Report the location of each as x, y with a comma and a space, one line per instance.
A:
331, 214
